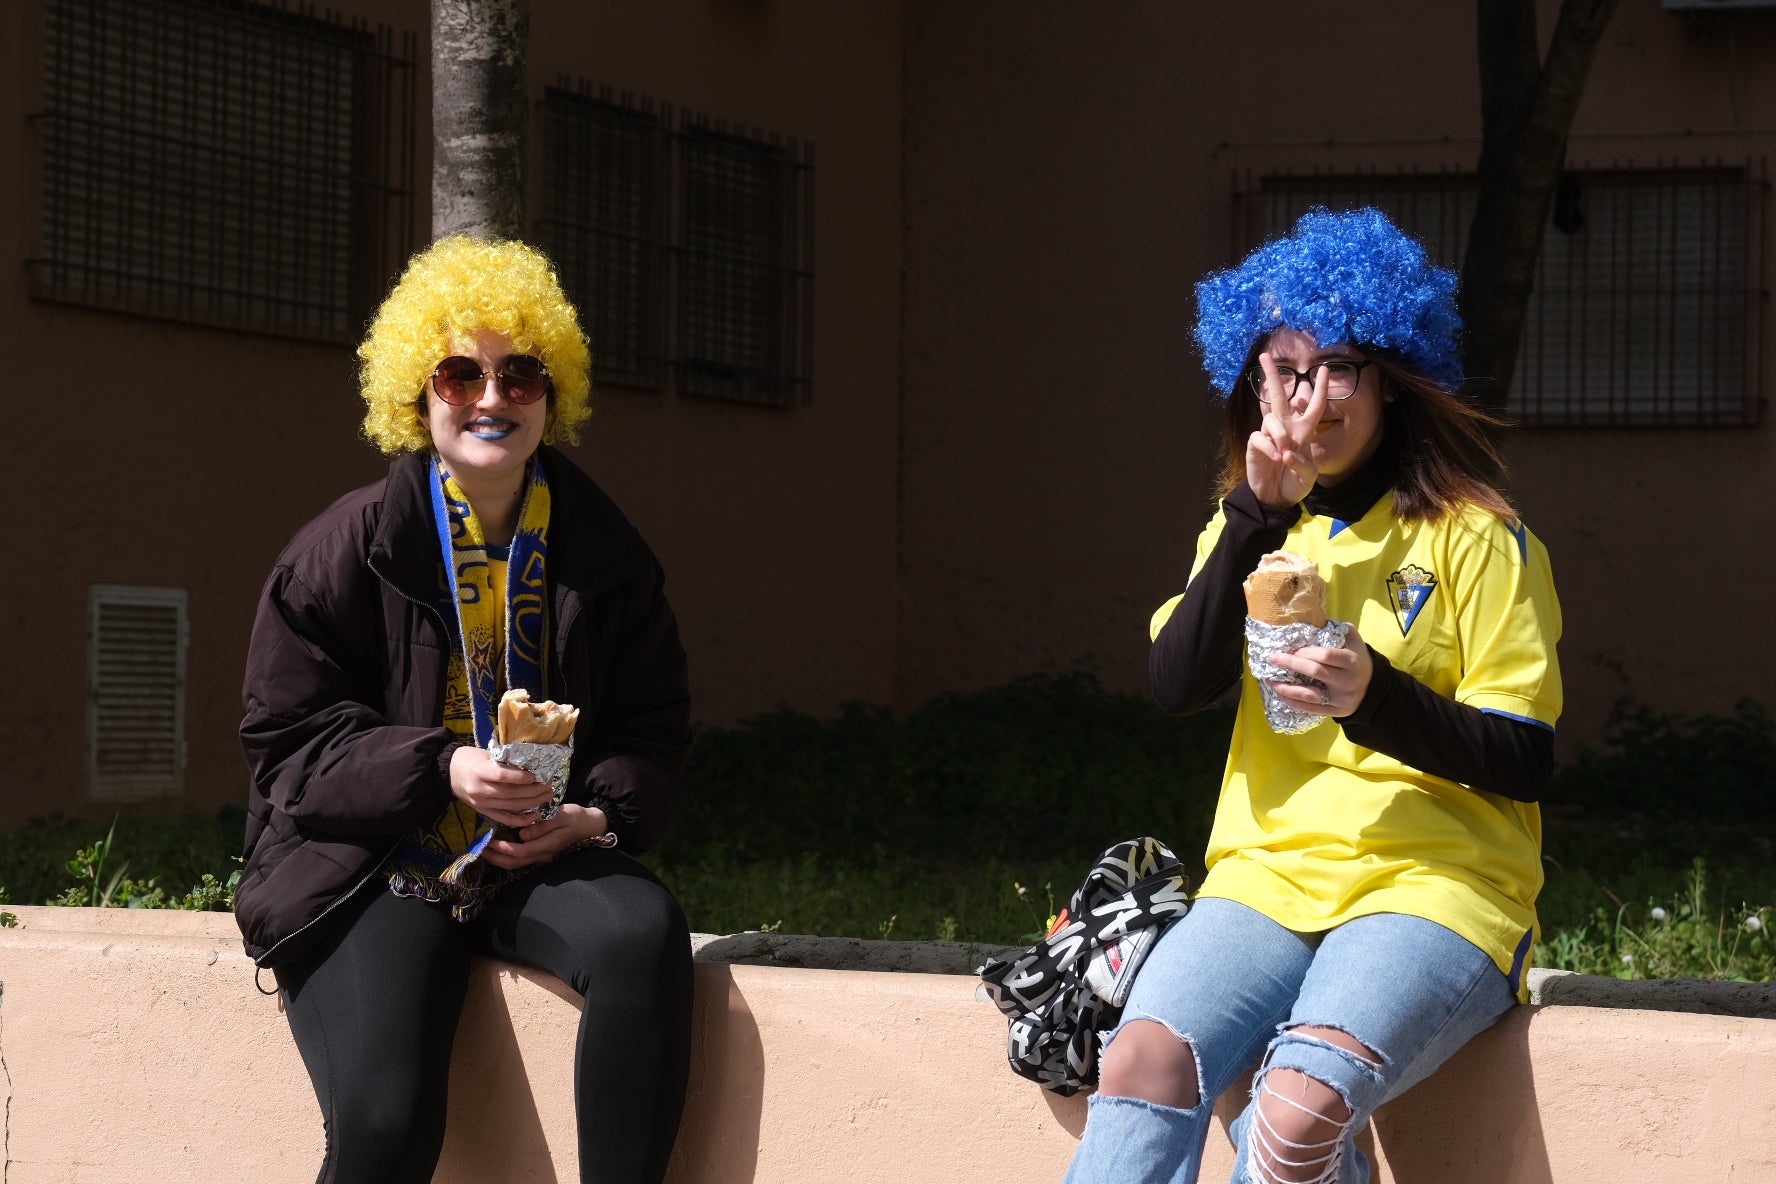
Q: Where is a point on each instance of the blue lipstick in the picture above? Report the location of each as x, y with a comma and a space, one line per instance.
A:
492, 429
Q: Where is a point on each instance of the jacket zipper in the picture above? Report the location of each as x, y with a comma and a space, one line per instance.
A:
265, 958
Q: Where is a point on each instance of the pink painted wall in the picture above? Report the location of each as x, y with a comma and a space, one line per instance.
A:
137, 1049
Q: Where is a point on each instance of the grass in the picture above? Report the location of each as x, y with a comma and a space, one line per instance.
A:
927, 825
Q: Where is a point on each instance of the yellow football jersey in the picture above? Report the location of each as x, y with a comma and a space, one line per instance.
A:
1312, 829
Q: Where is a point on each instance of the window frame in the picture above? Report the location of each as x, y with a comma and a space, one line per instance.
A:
141, 242
776, 329
1265, 205
570, 240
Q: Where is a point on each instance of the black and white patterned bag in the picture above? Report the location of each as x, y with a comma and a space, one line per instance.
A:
1064, 990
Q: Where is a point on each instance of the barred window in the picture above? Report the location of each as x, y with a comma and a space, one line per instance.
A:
745, 267
221, 162
1646, 302
606, 185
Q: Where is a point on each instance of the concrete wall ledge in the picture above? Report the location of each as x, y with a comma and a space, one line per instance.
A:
133, 1047
1751, 1000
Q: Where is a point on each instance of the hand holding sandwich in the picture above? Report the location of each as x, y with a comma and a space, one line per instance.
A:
532, 740
511, 796
542, 841
1346, 673
1308, 663
504, 793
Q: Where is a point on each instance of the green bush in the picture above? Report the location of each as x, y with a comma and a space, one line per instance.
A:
1676, 780
965, 818
1044, 766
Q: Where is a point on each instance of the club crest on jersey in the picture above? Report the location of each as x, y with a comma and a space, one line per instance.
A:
1408, 589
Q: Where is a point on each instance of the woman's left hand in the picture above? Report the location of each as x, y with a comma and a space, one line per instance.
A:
541, 842
1346, 673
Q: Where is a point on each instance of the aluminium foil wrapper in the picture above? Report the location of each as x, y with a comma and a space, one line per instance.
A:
1264, 640
548, 762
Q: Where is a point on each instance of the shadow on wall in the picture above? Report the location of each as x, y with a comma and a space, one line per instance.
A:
1435, 1139
1440, 1142
719, 1138
488, 1078
491, 1082
1068, 1113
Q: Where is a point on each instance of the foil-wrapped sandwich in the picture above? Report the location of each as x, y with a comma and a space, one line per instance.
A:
537, 737
1286, 610
1285, 589
524, 722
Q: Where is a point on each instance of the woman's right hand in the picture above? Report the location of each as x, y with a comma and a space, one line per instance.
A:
1279, 456
500, 792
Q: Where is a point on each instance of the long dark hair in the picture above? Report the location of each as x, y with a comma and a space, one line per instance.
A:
1442, 451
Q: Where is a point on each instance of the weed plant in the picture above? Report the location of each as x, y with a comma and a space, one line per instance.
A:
57, 860
1686, 934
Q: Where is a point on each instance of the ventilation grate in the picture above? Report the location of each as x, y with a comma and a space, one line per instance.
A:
136, 642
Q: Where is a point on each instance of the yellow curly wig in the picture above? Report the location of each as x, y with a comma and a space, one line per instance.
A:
456, 287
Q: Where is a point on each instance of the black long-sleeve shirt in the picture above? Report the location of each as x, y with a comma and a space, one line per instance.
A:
1196, 658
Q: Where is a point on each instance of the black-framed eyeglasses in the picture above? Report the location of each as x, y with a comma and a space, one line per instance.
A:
1342, 378
459, 381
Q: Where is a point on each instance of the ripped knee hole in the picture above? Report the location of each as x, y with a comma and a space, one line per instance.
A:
1149, 1061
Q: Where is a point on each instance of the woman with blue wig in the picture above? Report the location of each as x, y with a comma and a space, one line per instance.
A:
384, 844
1369, 904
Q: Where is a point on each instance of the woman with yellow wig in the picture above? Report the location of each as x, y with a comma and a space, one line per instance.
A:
384, 844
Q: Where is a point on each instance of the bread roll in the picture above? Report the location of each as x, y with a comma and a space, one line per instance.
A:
524, 722
1286, 589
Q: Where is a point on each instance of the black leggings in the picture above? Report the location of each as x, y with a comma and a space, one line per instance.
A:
374, 1011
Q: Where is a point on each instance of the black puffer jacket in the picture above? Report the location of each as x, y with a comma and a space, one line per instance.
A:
344, 692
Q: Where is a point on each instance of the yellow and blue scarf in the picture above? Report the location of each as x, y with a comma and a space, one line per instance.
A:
498, 642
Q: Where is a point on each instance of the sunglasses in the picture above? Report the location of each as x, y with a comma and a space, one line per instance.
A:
460, 381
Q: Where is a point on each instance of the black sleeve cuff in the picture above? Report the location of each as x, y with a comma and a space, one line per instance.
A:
441, 770
1403, 718
1244, 504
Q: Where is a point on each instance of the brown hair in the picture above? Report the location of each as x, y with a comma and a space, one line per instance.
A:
1442, 452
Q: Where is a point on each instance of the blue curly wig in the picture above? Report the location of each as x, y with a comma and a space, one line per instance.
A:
1344, 279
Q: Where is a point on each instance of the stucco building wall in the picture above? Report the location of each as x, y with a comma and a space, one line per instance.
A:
1070, 175
1008, 452
170, 455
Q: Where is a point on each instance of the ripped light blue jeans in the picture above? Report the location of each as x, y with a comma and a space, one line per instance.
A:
1235, 985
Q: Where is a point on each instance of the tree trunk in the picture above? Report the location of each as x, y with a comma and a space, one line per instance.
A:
1526, 108
480, 111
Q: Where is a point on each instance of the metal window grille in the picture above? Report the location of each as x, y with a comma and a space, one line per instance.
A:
745, 266
136, 643
225, 163
1648, 300
606, 184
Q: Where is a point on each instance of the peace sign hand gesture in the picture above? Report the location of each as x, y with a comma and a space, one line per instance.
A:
1279, 458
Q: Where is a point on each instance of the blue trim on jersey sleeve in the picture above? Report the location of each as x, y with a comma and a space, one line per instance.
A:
1522, 719
1520, 532
1520, 958
1338, 524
